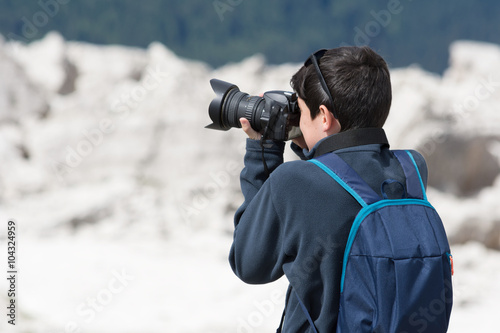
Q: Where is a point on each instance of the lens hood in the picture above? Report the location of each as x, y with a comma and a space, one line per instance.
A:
221, 89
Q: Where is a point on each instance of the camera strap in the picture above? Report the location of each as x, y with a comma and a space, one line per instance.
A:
264, 145
352, 138
263, 138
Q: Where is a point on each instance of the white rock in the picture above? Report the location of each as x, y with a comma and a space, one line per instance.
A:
19, 97
110, 63
471, 57
46, 64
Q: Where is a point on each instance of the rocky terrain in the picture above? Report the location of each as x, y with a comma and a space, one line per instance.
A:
124, 201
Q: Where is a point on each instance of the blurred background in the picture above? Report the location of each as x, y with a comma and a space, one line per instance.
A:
217, 32
124, 202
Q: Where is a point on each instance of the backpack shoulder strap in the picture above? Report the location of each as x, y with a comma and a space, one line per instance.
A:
414, 183
341, 172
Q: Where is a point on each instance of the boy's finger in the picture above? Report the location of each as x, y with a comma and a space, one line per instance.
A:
247, 128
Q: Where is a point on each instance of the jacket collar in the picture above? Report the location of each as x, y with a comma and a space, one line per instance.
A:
348, 139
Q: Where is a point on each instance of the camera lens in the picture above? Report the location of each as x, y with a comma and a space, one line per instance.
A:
230, 104
275, 115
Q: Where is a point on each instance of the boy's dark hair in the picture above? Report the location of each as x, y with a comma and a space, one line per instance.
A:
359, 82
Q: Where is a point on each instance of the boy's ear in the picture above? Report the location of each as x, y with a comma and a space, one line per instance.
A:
330, 124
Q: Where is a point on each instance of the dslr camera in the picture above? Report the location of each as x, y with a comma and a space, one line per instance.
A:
276, 115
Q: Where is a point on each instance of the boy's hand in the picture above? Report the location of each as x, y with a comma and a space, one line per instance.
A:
247, 128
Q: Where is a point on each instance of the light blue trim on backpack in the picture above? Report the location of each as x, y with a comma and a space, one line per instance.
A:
419, 176
368, 209
365, 211
340, 181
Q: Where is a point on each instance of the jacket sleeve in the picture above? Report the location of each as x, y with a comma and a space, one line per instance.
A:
256, 255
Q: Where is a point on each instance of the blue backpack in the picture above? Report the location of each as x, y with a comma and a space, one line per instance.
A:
397, 266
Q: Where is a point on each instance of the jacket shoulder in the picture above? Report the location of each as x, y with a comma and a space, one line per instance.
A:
295, 169
421, 164
293, 176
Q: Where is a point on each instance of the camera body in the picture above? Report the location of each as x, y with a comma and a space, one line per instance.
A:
275, 115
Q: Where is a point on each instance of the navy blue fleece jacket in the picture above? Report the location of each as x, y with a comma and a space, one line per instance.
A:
296, 223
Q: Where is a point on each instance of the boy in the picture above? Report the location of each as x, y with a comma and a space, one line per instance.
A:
296, 221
